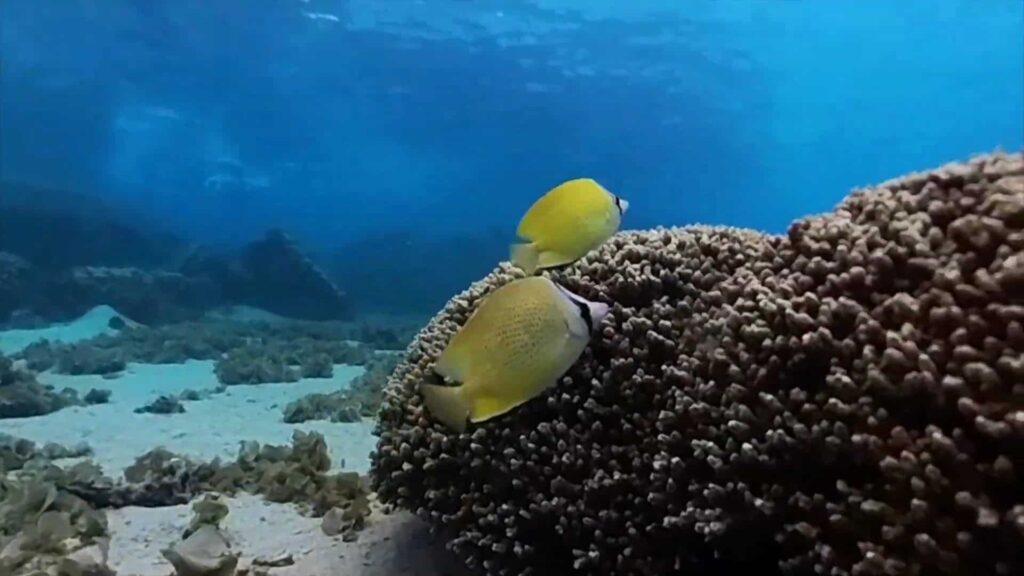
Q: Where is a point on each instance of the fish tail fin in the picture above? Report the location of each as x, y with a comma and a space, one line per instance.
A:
526, 257
447, 404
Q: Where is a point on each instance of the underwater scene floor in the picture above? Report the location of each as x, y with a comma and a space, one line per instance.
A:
206, 422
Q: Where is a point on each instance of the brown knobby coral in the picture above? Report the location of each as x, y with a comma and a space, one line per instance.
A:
844, 399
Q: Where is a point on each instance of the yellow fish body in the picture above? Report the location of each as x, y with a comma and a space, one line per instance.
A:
570, 220
518, 343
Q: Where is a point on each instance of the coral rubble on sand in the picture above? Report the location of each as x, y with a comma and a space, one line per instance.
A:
246, 353
21, 395
280, 360
361, 399
298, 474
162, 405
844, 399
51, 518
44, 528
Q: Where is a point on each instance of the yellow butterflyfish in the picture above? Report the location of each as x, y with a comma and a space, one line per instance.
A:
518, 343
570, 220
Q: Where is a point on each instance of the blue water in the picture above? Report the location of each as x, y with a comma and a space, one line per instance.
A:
406, 137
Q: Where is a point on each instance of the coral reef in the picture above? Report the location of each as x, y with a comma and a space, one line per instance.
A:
361, 399
846, 399
21, 395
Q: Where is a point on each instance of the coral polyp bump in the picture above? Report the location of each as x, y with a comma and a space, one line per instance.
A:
844, 399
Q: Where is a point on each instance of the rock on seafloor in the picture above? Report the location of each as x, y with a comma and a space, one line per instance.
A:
389, 545
844, 399
206, 552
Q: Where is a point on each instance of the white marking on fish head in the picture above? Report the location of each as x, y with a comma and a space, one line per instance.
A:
588, 315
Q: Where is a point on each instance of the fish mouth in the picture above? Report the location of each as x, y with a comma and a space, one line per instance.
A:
598, 310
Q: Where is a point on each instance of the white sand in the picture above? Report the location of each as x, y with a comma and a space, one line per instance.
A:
91, 324
208, 428
390, 545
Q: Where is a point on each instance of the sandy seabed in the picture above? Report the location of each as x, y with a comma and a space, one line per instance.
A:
390, 545
208, 428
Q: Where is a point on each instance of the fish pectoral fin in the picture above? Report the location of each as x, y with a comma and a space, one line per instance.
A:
487, 407
525, 257
554, 259
447, 404
451, 364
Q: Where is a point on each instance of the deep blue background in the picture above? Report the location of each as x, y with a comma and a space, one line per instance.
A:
407, 137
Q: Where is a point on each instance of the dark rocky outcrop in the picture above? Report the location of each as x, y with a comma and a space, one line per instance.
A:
15, 284
286, 282
151, 278
376, 268
146, 296
91, 233
273, 274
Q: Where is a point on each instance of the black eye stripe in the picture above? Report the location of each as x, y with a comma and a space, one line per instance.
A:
585, 313
618, 204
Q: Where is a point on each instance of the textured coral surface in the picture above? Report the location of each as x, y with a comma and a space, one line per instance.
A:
845, 399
